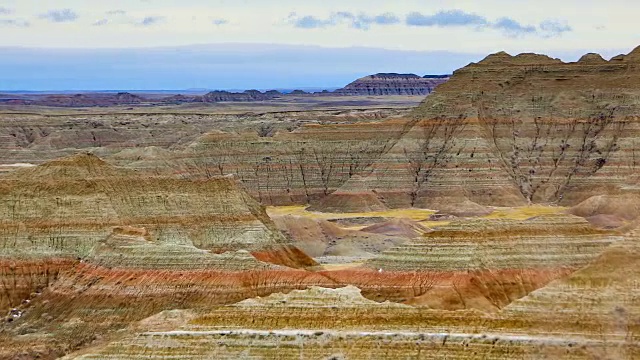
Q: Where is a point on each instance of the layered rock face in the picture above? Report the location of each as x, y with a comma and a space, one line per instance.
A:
506, 131
328, 243
126, 138
164, 257
550, 241
295, 167
249, 95
80, 237
372, 85
482, 264
560, 131
340, 324
393, 84
352, 196
600, 301
82, 208
609, 211
592, 313
512, 130
34, 139
88, 197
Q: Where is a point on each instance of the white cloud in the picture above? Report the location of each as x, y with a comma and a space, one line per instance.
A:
594, 25
60, 15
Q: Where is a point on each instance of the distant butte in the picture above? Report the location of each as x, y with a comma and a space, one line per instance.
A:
393, 84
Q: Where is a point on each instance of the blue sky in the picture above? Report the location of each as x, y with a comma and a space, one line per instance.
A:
286, 43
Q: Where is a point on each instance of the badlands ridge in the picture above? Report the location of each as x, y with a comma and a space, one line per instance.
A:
496, 220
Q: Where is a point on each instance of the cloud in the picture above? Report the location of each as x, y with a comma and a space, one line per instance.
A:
14, 22
116, 12
386, 19
151, 20
360, 21
101, 22
446, 18
508, 26
310, 22
513, 28
120, 17
114, 16
59, 16
5, 11
219, 22
553, 28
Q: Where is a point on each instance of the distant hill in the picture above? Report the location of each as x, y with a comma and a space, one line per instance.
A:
380, 84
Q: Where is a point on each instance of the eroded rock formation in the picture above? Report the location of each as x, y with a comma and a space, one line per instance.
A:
393, 84
80, 208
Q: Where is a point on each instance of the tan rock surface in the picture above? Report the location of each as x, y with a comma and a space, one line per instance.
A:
324, 240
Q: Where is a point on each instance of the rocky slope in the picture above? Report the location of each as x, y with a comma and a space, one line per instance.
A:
507, 131
519, 129
482, 264
561, 131
592, 313
327, 242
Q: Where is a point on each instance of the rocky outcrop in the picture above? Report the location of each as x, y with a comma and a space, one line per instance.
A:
87, 196
483, 264
506, 131
393, 84
89, 250
352, 196
398, 227
609, 211
625, 207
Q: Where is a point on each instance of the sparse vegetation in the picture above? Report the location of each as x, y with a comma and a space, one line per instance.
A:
432, 150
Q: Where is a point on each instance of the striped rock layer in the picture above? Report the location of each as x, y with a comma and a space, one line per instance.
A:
80, 208
482, 264
593, 313
574, 318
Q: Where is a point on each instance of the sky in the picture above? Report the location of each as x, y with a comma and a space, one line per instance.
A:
90, 44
